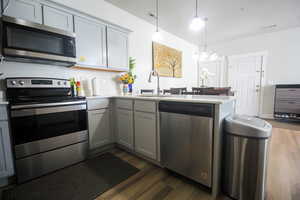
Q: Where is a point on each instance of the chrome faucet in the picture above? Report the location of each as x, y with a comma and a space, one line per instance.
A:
155, 73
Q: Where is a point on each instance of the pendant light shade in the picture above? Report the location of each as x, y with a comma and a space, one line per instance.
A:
206, 55
203, 56
197, 23
213, 57
157, 35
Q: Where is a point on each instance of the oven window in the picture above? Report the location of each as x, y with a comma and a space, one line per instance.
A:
35, 40
38, 127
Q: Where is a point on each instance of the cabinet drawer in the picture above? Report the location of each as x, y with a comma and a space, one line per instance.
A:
95, 104
3, 113
145, 106
124, 103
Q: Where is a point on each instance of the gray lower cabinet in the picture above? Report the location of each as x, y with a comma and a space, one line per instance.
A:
99, 128
117, 48
124, 119
145, 134
90, 43
58, 18
6, 158
24, 9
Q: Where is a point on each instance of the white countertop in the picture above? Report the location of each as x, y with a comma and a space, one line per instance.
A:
183, 98
98, 97
178, 98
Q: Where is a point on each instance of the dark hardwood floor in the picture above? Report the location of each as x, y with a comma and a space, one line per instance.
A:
154, 183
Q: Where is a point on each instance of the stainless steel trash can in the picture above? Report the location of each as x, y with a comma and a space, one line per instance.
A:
246, 154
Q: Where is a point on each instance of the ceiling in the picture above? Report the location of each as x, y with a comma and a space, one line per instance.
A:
227, 19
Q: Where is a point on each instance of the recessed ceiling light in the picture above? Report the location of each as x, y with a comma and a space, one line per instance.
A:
152, 14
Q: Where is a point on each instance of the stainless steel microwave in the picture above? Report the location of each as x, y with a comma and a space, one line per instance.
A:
26, 41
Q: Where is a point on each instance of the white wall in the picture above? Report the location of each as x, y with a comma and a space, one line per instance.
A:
140, 48
283, 62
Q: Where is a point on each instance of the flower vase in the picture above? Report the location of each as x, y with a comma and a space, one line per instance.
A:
202, 83
125, 89
130, 88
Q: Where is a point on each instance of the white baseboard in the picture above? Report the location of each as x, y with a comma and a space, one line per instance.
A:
266, 116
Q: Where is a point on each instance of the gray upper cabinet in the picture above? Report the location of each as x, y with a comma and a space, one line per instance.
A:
24, 9
117, 48
90, 43
58, 18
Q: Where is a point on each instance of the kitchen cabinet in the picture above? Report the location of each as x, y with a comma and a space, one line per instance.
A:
145, 134
90, 43
99, 128
125, 133
117, 48
57, 18
6, 158
30, 10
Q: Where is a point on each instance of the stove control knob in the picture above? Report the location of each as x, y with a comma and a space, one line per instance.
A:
21, 82
65, 83
58, 83
13, 82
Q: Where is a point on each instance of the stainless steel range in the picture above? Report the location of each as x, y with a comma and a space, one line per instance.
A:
49, 126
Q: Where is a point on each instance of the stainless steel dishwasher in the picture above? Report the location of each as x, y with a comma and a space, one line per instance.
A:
186, 131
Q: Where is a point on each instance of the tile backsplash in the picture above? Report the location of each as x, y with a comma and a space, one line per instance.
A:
108, 86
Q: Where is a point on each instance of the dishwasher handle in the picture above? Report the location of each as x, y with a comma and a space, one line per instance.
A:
198, 109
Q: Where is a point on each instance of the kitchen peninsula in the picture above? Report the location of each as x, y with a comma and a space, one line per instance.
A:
136, 124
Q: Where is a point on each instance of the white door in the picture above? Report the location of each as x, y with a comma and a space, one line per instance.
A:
245, 77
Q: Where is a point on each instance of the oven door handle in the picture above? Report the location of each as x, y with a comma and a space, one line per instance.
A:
46, 110
42, 105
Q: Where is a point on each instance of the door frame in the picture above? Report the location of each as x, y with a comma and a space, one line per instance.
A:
264, 60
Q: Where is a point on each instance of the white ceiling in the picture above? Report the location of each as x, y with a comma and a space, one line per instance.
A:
227, 19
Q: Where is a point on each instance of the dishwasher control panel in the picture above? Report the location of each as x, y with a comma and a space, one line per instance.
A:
199, 109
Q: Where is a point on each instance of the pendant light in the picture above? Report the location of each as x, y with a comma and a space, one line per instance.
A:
156, 35
197, 23
205, 55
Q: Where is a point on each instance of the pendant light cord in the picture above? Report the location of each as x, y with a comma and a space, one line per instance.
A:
205, 35
196, 8
156, 15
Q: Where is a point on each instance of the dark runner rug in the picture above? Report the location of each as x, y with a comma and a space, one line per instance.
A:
84, 181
